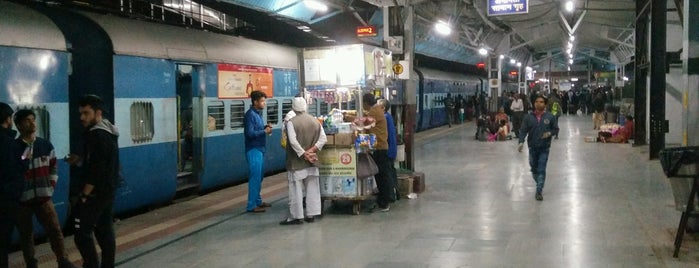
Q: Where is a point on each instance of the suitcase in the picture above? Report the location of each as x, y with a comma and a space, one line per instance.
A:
418, 182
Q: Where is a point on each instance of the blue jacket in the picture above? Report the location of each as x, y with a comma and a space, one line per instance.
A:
11, 180
255, 136
392, 140
533, 130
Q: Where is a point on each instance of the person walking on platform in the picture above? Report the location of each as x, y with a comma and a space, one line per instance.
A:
11, 182
40, 173
538, 127
305, 138
93, 208
598, 115
449, 107
256, 132
517, 108
392, 144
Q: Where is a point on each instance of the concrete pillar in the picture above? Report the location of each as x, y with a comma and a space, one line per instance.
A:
690, 69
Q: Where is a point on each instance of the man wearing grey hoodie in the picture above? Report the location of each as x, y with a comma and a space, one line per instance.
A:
93, 211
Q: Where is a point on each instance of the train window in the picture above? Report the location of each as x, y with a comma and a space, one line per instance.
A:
286, 106
272, 112
237, 114
215, 119
42, 119
142, 129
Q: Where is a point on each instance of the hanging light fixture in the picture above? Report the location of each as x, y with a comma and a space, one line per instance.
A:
442, 28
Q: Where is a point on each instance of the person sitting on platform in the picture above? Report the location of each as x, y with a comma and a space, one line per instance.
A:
503, 131
500, 116
620, 136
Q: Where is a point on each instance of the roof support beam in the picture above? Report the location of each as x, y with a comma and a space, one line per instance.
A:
287, 6
571, 30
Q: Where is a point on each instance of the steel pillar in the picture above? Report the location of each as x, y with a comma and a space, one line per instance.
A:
658, 124
690, 67
641, 71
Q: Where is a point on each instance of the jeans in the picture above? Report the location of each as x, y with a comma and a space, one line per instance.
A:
385, 178
538, 157
256, 166
95, 216
8, 220
46, 215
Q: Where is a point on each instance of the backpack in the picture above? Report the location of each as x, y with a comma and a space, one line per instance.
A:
555, 108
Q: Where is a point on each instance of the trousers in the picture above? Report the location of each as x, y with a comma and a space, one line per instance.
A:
255, 159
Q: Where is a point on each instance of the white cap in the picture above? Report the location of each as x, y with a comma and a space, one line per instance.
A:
298, 104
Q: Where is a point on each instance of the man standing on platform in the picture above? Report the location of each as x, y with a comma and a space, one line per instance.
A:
384, 163
256, 132
11, 182
538, 126
305, 138
93, 211
392, 144
40, 174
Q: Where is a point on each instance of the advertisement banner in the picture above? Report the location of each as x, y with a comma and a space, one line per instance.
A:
237, 81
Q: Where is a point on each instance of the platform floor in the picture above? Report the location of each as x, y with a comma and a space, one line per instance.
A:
605, 205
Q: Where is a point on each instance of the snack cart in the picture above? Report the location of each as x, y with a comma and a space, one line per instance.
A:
335, 77
338, 176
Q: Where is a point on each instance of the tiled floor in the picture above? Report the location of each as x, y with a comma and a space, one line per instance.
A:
605, 205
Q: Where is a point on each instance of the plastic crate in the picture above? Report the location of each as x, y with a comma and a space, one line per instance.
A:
680, 161
680, 165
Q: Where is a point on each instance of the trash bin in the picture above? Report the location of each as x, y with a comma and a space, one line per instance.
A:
680, 166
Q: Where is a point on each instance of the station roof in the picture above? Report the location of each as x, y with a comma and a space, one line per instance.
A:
603, 29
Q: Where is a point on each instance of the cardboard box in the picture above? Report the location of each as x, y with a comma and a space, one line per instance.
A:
330, 140
344, 139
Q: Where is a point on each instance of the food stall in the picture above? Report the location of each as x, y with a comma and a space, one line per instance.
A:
337, 77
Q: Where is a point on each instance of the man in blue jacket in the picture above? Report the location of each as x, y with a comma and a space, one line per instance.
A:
11, 182
538, 126
256, 132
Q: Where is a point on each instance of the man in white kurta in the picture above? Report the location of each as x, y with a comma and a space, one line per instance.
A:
305, 138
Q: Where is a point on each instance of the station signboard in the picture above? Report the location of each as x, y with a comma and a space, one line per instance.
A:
507, 7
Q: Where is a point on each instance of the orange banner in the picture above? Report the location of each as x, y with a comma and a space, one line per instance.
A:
237, 81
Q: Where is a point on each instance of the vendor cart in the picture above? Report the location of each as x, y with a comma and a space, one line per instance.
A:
338, 176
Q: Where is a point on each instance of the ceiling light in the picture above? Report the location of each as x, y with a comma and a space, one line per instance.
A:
569, 68
570, 61
570, 56
570, 6
570, 45
442, 28
513, 61
519, 64
502, 56
572, 38
483, 51
316, 5
574, 79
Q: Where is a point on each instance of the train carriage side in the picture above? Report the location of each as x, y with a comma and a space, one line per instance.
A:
183, 128
34, 75
434, 87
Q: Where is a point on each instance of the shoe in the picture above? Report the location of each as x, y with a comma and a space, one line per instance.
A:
257, 210
310, 219
265, 205
291, 222
539, 197
381, 209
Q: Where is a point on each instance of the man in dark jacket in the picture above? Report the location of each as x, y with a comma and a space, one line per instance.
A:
539, 126
93, 211
11, 183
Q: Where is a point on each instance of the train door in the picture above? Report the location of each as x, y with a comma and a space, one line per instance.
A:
188, 138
